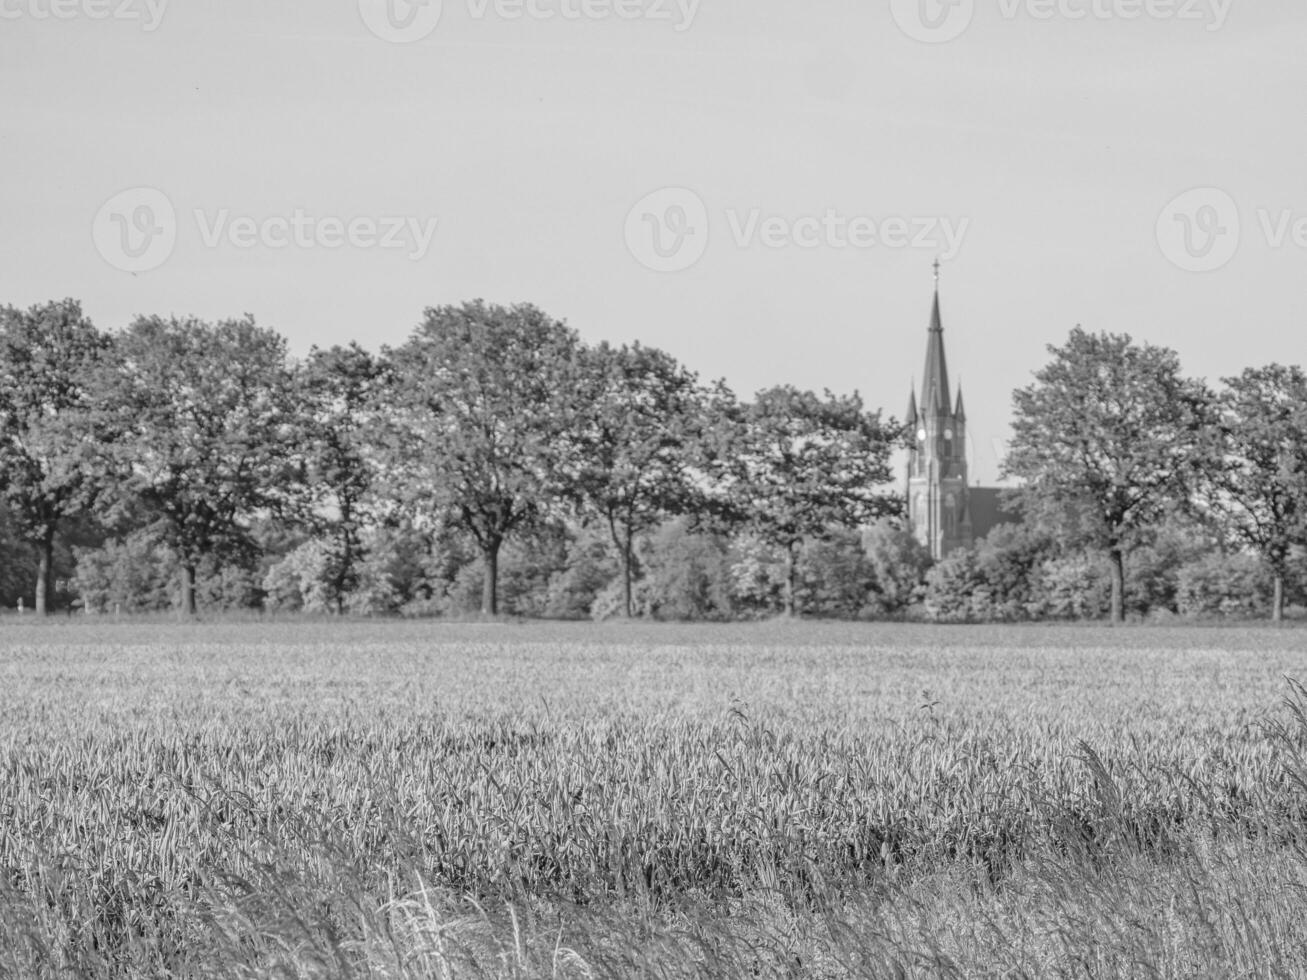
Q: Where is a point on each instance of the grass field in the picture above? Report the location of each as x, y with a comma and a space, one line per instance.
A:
412, 799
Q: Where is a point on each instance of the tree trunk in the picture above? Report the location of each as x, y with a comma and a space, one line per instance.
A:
44, 572
791, 580
1277, 603
490, 584
188, 590
624, 542
628, 603
1118, 586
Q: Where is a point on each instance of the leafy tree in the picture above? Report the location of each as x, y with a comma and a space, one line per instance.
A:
956, 590
644, 416
204, 415
900, 563
485, 402
688, 574
838, 578
337, 391
1261, 490
17, 569
798, 466
131, 575
1217, 584
1108, 439
48, 425
1073, 585
1008, 560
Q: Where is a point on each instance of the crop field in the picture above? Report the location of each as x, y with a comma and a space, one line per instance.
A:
314, 799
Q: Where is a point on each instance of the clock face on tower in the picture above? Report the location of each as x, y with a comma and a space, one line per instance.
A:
948, 434
921, 435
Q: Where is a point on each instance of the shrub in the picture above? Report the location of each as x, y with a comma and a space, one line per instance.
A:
899, 563
1224, 585
135, 574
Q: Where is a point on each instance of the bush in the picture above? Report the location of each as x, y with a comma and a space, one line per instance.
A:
955, 589
1224, 585
1074, 586
899, 563
298, 583
687, 575
136, 574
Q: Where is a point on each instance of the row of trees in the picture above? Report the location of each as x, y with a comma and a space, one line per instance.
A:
491, 423
349, 480
1111, 441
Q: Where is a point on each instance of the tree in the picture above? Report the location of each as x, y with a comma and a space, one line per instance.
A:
900, 563
485, 402
797, 465
1261, 490
204, 414
643, 417
48, 426
337, 391
1107, 439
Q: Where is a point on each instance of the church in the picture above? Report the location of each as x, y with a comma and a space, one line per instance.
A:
944, 512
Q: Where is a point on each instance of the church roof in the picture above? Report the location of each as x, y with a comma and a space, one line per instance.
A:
934, 386
988, 511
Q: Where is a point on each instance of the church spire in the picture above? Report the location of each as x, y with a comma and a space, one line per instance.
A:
935, 387
911, 419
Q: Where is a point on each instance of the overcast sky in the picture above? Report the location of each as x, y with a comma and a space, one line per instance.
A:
758, 187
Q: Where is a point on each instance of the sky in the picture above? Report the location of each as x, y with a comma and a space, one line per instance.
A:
760, 188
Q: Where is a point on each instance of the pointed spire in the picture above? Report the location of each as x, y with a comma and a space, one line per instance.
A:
958, 410
935, 387
911, 418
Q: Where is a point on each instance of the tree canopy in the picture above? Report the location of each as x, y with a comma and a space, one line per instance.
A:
1108, 438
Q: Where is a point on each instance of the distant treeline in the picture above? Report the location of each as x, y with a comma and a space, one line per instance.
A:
495, 463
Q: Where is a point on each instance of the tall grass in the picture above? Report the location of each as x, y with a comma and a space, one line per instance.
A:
390, 800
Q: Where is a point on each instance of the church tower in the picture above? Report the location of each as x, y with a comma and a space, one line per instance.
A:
938, 507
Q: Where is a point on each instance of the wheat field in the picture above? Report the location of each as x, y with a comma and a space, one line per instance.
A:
317, 799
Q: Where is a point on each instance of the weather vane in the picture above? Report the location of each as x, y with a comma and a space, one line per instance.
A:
937, 271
